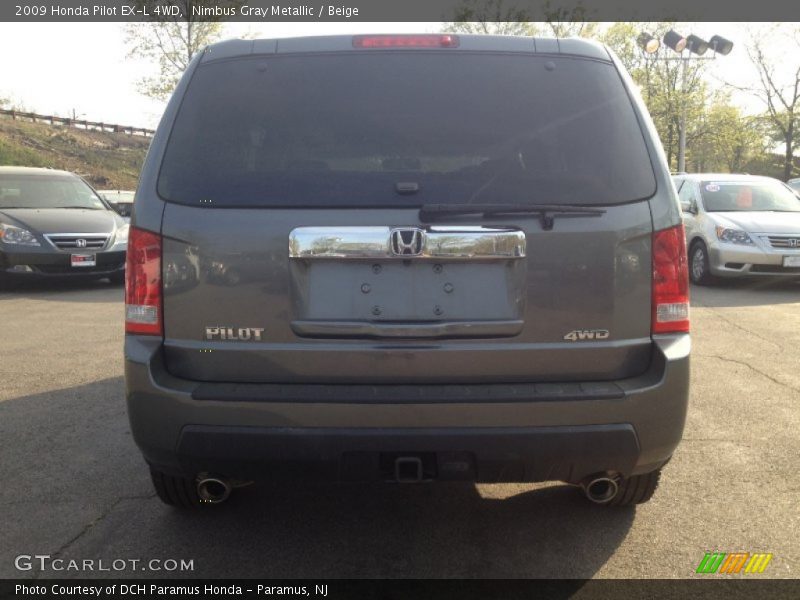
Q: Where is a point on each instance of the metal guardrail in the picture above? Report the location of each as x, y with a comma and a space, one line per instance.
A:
87, 125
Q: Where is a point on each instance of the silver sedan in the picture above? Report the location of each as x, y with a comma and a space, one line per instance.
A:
739, 225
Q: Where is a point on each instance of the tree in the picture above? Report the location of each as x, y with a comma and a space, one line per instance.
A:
661, 84
621, 38
490, 17
727, 140
563, 22
9, 102
494, 18
778, 85
171, 42
718, 135
562, 29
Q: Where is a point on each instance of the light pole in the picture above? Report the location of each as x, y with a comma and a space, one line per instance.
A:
689, 48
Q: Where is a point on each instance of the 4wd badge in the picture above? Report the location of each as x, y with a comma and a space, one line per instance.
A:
579, 335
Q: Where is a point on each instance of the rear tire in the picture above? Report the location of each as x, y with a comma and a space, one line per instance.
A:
180, 492
699, 270
636, 490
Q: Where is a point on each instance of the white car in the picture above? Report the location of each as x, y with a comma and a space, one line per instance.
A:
120, 200
739, 225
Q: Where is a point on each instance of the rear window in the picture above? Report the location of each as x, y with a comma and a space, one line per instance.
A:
346, 129
729, 196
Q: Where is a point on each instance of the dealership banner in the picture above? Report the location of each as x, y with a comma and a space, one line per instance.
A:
334, 589
395, 10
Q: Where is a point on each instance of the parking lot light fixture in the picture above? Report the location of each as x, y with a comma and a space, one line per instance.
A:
675, 40
696, 45
720, 45
648, 43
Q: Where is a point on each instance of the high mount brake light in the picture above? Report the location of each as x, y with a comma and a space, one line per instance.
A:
670, 281
406, 41
143, 296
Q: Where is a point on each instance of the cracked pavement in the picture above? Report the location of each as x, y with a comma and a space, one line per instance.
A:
77, 488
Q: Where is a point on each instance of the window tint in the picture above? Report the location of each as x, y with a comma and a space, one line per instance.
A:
345, 129
724, 196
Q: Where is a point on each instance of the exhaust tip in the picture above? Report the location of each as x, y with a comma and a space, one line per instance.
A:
601, 490
213, 490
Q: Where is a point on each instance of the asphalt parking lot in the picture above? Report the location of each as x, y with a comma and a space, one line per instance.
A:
75, 486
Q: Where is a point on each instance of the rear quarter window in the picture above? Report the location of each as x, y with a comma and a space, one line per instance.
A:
343, 129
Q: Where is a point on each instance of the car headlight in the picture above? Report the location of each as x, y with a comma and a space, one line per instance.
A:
122, 235
16, 235
734, 236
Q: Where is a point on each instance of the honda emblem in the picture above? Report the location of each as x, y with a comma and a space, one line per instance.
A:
406, 242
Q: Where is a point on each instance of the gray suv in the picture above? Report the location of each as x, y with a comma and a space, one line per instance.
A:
407, 258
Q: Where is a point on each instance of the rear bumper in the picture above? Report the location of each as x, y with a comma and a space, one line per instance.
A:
490, 433
448, 454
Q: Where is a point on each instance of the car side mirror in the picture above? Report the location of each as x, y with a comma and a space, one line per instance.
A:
688, 207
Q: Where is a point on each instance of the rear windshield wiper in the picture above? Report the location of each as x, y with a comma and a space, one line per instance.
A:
547, 212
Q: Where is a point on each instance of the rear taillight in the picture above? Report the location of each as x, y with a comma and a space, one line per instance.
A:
670, 281
143, 283
406, 41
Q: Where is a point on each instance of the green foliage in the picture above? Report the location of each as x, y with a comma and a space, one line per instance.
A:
108, 160
727, 140
15, 155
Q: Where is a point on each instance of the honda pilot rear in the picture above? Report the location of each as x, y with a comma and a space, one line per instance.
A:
406, 258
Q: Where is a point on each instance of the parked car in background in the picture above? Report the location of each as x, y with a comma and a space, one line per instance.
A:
53, 224
120, 200
433, 258
739, 225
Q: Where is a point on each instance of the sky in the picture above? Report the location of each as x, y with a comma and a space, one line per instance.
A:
55, 68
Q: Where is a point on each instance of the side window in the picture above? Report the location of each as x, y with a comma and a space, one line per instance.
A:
686, 193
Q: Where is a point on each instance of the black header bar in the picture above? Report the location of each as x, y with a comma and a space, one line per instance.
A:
395, 10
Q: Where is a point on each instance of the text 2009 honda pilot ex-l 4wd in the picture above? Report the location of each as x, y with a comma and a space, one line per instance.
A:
406, 258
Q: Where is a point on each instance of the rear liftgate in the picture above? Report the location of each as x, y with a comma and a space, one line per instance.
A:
408, 282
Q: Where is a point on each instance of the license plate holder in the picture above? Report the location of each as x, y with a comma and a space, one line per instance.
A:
791, 261
83, 260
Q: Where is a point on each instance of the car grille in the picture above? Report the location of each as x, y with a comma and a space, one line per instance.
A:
72, 241
784, 241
